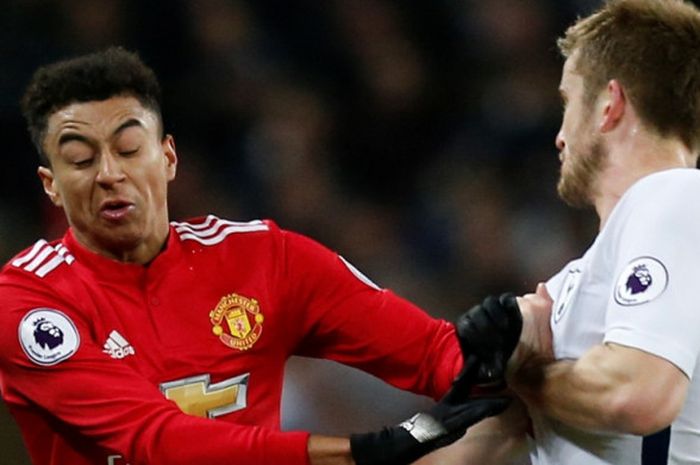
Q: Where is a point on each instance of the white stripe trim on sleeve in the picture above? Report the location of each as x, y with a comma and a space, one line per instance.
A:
49, 266
31, 254
216, 232
63, 252
45, 252
43, 258
204, 225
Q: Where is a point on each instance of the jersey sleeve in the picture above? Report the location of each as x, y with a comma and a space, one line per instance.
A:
653, 303
113, 405
343, 316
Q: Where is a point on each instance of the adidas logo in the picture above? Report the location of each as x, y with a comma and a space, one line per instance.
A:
118, 347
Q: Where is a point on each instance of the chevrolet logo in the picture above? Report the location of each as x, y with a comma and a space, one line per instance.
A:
196, 396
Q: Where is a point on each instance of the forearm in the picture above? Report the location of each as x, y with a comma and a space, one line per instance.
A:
611, 388
571, 392
325, 450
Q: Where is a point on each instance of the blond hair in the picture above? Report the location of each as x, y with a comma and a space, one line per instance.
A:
652, 47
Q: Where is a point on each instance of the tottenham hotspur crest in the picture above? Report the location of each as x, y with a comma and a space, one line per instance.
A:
567, 294
641, 281
48, 336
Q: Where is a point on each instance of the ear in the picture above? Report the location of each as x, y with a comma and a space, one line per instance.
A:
48, 181
614, 108
170, 154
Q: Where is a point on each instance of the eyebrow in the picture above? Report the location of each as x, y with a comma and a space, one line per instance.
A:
127, 124
71, 136
65, 138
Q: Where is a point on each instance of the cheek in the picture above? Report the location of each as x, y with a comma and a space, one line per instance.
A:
73, 193
574, 135
155, 180
159, 188
569, 127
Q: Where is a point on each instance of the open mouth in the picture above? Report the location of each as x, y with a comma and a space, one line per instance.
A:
115, 210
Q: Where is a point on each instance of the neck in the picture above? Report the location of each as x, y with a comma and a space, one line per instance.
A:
142, 254
640, 155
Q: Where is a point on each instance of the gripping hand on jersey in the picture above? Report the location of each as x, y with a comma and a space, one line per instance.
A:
424, 432
488, 334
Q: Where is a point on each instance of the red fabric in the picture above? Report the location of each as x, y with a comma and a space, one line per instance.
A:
92, 406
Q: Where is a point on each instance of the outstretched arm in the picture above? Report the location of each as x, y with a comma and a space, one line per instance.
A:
488, 334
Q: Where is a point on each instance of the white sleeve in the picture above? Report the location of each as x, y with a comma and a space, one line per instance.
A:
654, 303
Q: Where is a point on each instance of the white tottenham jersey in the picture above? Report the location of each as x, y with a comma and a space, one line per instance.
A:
637, 286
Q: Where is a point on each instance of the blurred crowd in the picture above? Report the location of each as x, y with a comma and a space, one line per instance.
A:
414, 137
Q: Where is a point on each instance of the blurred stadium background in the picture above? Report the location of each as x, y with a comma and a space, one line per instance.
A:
414, 137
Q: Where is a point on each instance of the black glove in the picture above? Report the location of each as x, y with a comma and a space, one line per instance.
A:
488, 334
424, 432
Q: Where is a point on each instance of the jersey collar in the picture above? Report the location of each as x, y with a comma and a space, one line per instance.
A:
107, 269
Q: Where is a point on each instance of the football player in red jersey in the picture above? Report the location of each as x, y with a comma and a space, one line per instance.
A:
136, 340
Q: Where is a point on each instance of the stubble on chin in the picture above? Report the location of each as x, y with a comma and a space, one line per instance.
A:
577, 185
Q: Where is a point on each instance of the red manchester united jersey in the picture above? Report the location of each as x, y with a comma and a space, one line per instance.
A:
181, 361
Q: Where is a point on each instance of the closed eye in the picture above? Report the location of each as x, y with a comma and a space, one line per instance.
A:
129, 152
83, 163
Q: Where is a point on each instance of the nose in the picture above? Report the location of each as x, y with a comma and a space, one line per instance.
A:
559, 141
110, 170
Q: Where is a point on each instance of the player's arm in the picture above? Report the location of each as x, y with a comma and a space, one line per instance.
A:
499, 440
488, 333
404, 443
612, 387
327, 450
348, 319
337, 314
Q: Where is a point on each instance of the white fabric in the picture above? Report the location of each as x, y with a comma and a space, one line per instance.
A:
635, 286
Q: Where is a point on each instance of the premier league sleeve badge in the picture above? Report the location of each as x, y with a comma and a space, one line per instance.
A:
641, 281
48, 336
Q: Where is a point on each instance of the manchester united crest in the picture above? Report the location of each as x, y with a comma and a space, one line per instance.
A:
237, 321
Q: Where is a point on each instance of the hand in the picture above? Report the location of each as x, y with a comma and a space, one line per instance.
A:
488, 333
424, 432
535, 346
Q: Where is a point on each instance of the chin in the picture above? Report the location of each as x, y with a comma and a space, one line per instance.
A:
124, 238
574, 196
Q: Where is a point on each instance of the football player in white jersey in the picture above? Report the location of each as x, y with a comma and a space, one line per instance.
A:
620, 384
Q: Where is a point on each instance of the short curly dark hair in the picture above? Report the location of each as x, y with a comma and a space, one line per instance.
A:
95, 76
